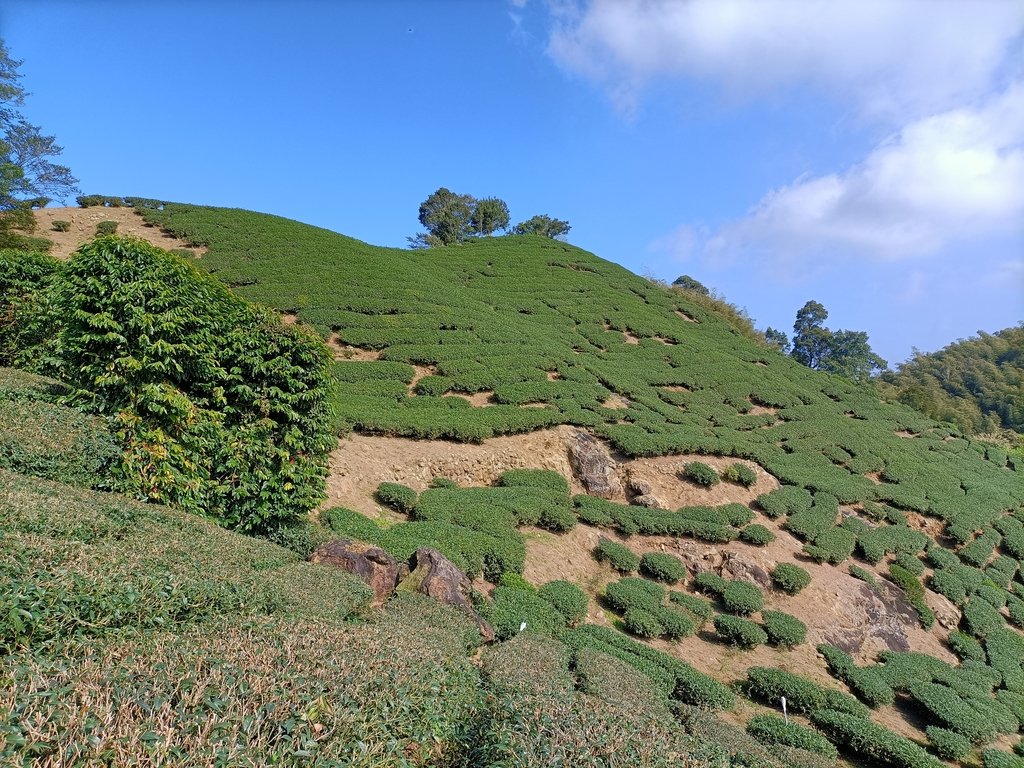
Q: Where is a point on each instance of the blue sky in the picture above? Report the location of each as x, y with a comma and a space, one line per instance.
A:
868, 154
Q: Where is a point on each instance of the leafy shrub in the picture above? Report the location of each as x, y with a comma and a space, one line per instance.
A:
617, 555
768, 684
772, 729
910, 563
914, 590
949, 745
106, 228
710, 583
873, 742
740, 474
59, 225
742, 598
980, 618
642, 623
511, 606
832, 545
783, 629
867, 683
997, 758
534, 478
757, 535
696, 606
192, 373
965, 646
978, 718
790, 578
633, 592
677, 623
738, 631
397, 496
786, 500
443, 482
866, 576
701, 474
663, 567
566, 598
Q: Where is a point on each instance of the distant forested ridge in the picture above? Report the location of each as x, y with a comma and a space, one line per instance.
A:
977, 384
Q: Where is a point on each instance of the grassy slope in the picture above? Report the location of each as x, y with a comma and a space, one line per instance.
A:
503, 314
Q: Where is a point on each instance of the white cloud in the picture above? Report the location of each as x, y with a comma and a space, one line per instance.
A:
946, 177
889, 57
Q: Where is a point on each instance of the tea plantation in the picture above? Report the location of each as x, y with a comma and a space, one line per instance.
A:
136, 633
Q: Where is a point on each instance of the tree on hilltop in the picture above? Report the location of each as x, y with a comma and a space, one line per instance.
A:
688, 283
845, 353
451, 218
542, 225
27, 176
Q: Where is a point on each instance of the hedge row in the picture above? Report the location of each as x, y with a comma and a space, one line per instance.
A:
768, 684
772, 729
866, 683
868, 740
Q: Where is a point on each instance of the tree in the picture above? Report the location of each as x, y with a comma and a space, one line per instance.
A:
25, 169
688, 283
489, 215
542, 225
845, 353
777, 339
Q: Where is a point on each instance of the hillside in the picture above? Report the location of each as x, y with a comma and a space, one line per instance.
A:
976, 383
466, 383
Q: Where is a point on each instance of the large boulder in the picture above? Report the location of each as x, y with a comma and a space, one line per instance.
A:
434, 575
372, 564
594, 466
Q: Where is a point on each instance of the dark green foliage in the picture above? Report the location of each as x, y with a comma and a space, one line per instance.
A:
24, 278
811, 523
980, 618
698, 607
710, 582
566, 598
910, 563
872, 742
632, 592
397, 496
833, 545
512, 605
786, 500
866, 682
978, 552
774, 730
535, 478
757, 535
782, 629
59, 225
618, 556
875, 543
543, 225
802, 695
979, 718
351, 524
740, 474
642, 623
443, 482
866, 576
663, 567
845, 353
219, 407
973, 383
1005, 650
914, 590
738, 631
949, 745
106, 228
790, 578
742, 598
701, 474
965, 646
997, 758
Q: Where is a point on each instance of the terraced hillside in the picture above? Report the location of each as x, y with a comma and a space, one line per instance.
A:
755, 530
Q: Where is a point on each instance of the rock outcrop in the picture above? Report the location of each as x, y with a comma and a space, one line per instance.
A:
372, 564
594, 466
434, 575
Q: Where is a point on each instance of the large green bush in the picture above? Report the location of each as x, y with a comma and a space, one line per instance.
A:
220, 408
742, 598
735, 630
397, 496
774, 730
867, 683
617, 555
701, 474
802, 695
783, 629
872, 742
663, 567
757, 534
790, 578
566, 598
949, 745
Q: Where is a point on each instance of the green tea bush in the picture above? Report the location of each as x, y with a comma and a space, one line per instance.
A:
866, 576
397, 496
710, 583
677, 623
872, 742
997, 758
783, 629
768, 684
738, 631
980, 618
914, 590
832, 545
220, 408
875, 543
618, 556
106, 228
642, 623
787, 500
663, 567
633, 592
697, 607
809, 524
443, 482
701, 474
978, 718
534, 478
566, 598
965, 646
790, 578
772, 729
910, 563
949, 745
740, 474
511, 606
60, 225
757, 535
742, 598
867, 683
978, 552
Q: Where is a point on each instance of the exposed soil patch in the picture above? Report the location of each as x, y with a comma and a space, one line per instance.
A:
568, 556
630, 338
662, 474
675, 388
684, 316
616, 401
760, 410
419, 371
348, 352
554, 376
874, 477
904, 433
362, 462
83, 223
477, 399
666, 342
